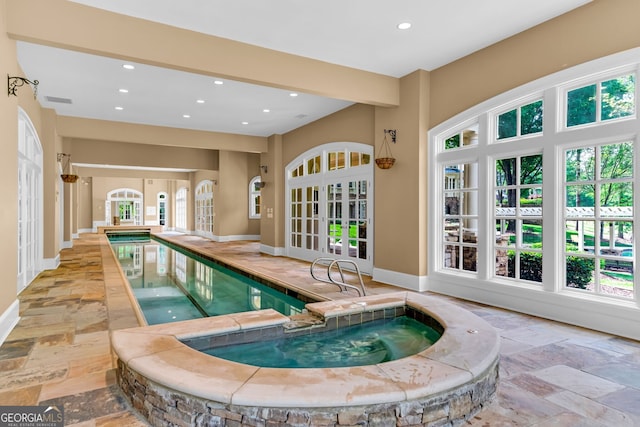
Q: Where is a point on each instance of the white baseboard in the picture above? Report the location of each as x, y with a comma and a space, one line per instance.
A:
235, 238
614, 316
271, 250
9, 319
51, 263
403, 280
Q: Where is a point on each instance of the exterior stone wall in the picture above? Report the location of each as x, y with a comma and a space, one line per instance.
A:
162, 406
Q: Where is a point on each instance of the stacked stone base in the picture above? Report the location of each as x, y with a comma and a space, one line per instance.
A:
162, 406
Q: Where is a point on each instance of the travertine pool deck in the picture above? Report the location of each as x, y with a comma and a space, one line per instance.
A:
466, 354
551, 373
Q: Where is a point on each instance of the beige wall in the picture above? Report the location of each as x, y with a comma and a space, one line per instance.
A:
231, 201
352, 124
9, 168
272, 195
95, 183
142, 155
52, 197
401, 192
600, 28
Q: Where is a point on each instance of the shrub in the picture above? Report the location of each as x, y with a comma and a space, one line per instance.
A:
579, 271
530, 265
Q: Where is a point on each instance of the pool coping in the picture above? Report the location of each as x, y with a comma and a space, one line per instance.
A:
467, 351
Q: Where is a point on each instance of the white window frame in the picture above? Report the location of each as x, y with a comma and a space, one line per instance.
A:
255, 197
30, 209
311, 173
204, 208
550, 299
125, 195
181, 209
163, 197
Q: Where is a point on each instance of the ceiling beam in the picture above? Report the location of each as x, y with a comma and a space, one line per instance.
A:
73, 26
80, 128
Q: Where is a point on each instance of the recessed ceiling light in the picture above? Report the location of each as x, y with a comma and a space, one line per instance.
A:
123, 90
266, 110
128, 67
186, 116
218, 82
200, 101
119, 108
404, 25
293, 94
245, 123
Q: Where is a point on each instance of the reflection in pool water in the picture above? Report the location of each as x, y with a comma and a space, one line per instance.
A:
365, 344
170, 286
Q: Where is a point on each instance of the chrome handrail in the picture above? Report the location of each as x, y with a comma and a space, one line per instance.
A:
341, 284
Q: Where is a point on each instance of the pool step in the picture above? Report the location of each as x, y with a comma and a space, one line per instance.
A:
303, 321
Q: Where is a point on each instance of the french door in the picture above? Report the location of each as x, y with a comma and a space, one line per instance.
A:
332, 220
30, 237
329, 199
348, 221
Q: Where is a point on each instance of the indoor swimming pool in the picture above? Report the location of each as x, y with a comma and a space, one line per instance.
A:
172, 285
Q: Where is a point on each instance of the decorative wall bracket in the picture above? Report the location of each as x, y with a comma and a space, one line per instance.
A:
13, 83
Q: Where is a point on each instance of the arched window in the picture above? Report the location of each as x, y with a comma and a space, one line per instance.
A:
255, 187
204, 208
124, 206
329, 199
569, 140
181, 209
29, 202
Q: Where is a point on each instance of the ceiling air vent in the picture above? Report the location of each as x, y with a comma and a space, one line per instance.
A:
58, 100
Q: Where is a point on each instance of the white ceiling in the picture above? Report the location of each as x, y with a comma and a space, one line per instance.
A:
356, 33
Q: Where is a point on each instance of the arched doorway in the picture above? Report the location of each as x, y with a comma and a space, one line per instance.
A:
329, 194
124, 206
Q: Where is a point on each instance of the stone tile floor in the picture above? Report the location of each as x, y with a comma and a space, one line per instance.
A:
551, 374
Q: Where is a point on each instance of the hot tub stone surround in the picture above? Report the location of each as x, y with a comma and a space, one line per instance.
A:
170, 383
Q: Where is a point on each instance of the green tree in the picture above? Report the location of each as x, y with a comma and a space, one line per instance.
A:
617, 97
616, 162
581, 105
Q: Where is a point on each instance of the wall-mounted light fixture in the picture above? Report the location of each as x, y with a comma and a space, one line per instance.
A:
13, 83
263, 168
388, 160
261, 184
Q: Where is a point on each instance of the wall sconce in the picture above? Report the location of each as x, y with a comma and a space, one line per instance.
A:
386, 161
261, 184
13, 83
263, 168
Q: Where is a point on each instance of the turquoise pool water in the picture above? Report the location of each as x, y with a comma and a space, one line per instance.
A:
170, 285
365, 344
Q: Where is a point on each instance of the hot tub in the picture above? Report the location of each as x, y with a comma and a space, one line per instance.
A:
170, 383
